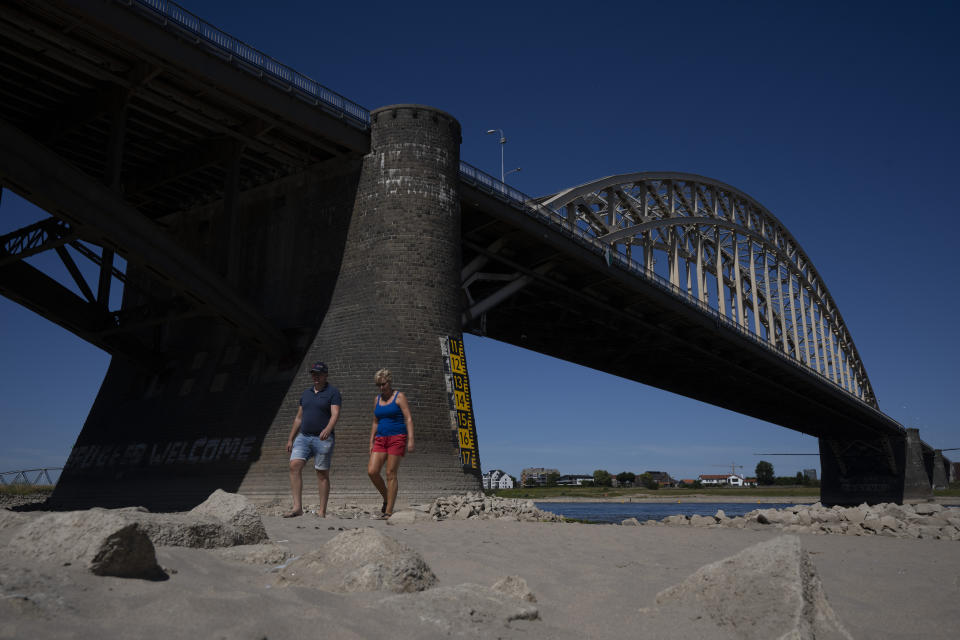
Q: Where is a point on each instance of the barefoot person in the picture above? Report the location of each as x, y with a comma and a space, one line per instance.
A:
390, 438
312, 437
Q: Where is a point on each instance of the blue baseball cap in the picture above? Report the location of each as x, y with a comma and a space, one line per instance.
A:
318, 367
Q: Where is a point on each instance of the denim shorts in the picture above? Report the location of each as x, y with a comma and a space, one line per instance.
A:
306, 447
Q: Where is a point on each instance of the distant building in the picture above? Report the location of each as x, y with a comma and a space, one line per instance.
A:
810, 474
574, 480
749, 482
536, 475
662, 478
721, 480
497, 479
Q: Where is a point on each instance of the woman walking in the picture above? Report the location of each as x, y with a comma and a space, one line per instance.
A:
390, 438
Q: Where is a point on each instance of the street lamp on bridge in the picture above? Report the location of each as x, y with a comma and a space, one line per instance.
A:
503, 141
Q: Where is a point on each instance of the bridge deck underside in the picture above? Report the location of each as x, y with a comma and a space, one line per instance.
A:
579, 309
69, 80
164, 124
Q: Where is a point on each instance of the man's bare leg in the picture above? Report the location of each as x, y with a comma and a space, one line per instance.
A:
296, 487
323, 486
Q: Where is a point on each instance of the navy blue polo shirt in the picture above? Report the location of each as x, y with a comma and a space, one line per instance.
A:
316, 409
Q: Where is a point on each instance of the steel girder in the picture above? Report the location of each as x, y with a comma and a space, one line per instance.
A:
721, 247
100, 215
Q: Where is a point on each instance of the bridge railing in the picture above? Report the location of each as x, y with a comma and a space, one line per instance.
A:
234, 50
29, 477
563, 225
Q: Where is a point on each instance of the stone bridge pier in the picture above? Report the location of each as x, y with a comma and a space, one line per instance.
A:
358, 263
884, 469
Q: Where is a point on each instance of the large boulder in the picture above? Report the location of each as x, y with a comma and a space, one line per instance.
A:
360, 560
236, 510
767, 591
222, 520
102, 541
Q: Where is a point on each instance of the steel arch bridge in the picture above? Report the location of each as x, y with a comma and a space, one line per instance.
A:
723, 249
186, 152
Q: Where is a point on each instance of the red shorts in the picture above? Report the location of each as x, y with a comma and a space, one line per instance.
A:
391, 445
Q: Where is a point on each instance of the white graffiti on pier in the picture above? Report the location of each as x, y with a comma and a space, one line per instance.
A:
200, 451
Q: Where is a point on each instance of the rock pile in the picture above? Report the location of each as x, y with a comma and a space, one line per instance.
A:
925, 520
475, 505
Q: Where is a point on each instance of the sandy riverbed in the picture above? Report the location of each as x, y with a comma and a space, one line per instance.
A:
591, 581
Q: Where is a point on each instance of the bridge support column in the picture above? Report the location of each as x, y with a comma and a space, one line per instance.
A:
939, 470
917, 480
397, 291
878, 470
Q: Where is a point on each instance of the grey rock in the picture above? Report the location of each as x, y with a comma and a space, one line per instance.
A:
702, 521
237, 511
464, 609
514, 586
270, 554
102, 541
928, 531
927, 508
360, 560
407, 516
631, 522
872, 524
769, 590
855, 515
222, 520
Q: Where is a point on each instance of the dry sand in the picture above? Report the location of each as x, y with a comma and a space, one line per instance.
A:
590, 581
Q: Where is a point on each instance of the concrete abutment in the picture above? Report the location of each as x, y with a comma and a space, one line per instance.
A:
872, 471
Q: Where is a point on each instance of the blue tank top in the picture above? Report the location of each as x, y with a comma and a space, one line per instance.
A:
390, 420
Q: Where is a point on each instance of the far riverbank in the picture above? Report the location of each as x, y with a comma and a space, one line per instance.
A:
686, 499
772, 495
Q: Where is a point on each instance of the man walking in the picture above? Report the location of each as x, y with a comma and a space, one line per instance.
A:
312, 436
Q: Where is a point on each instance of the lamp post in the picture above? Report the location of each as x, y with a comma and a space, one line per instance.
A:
503, 141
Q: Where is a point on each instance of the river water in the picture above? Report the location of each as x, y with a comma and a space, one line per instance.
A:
614, 512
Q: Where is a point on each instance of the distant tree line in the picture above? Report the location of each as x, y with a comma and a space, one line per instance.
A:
765, 477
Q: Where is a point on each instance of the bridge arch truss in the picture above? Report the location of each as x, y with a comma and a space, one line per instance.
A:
720, 247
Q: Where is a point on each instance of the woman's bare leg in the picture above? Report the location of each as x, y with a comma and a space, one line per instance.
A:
393, 465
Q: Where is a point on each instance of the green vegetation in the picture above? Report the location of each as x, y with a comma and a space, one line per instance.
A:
953, 491
25, 489
602, 478
546, 493
764, 473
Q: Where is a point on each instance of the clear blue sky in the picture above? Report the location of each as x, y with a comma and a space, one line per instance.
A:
841, 118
